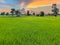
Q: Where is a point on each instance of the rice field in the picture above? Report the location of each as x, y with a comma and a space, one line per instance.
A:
29, 30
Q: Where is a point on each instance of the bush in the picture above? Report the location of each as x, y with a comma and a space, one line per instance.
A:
41, 13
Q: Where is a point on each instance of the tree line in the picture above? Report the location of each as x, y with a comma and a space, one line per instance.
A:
13, 12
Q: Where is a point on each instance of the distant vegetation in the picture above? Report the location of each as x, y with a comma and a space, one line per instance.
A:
18, 13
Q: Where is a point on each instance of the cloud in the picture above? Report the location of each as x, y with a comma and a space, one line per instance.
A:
46, 9
2, 1
22, 3
27, 3
31, 3
37, 3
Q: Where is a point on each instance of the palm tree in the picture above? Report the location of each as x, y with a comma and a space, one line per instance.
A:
28, 13
12, 11
17, 12
55, 10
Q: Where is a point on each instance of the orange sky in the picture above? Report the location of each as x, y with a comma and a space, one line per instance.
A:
37, 3
5, 10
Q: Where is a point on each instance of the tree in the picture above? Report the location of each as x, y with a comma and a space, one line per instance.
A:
41, 13
12, 11
2, 13
55, 10
37, 14
7, 14
28, 13
17, 12
33, 13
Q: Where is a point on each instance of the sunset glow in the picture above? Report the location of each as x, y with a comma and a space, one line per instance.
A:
39, 3
8, 4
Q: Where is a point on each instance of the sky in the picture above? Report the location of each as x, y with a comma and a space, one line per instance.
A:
5, 5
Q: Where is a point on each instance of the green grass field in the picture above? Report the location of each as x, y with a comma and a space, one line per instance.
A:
29, 30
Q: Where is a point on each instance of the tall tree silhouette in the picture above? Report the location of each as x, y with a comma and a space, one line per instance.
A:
28, 13
17, 12
55, 10
41, 13
12, 11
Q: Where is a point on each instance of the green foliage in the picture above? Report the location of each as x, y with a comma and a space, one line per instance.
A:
29, 30
12, 11
41, 13
28, 13
55, 10
17, 12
